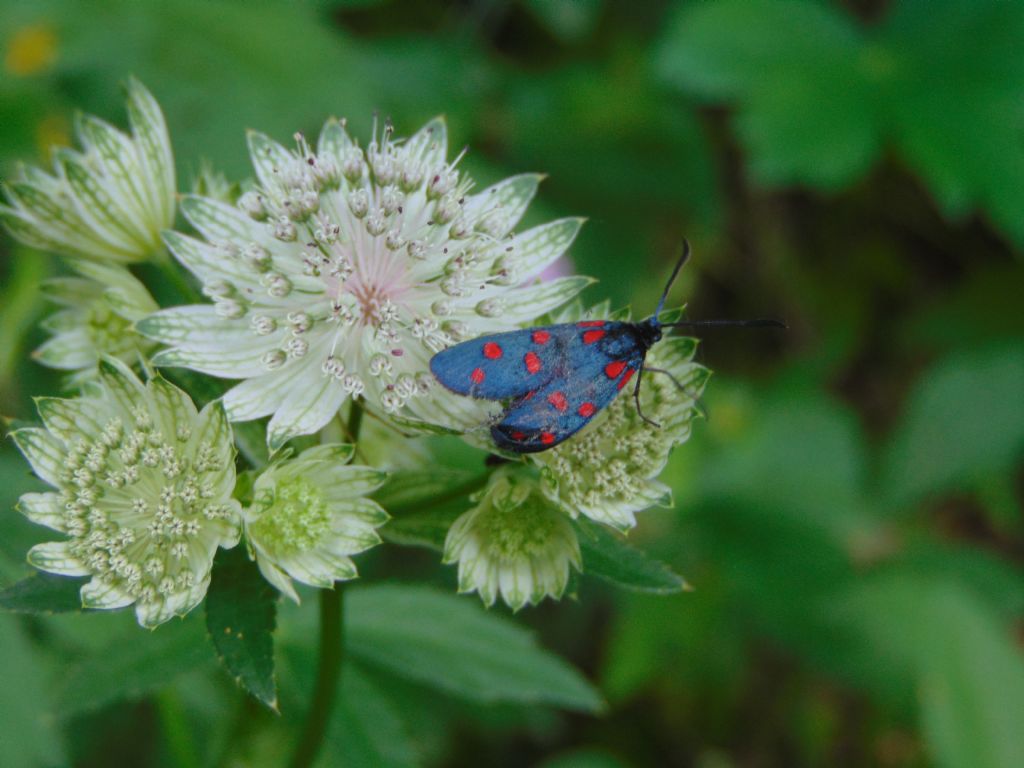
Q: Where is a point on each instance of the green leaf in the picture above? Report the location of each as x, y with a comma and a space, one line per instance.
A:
452, 644
608, 556
43, 593
817, 98
29, 738
567, 20
966, 667
407, 489
964, 423
423, 529
241, 609
584, 758
131, 668
972, 693
806, 111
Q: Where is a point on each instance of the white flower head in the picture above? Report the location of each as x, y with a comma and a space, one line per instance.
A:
97, 316
346, 269
143, 492
514, 543
110, 201
609, 471
309, 514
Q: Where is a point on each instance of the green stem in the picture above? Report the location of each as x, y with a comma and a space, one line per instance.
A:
176, 731
328, 673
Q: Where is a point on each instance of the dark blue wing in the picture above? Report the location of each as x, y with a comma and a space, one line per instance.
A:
599, 366
504, 365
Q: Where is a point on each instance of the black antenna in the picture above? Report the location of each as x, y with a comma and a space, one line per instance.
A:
758, 323
672, 278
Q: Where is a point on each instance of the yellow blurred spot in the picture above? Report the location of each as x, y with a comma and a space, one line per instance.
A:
33, 49
54, 130
730, 419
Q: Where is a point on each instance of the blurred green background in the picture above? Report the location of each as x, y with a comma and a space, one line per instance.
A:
851, 512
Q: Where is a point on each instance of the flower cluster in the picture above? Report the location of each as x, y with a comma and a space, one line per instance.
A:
331, 281
309, 514
97, 315
346, 269
609, 471
107, 203
513, 543
143, 492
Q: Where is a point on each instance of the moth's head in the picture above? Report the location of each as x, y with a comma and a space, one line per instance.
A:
650, 332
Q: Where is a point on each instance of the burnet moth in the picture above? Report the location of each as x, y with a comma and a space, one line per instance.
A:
558, 377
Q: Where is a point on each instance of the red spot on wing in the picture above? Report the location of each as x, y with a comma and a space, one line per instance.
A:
532, 362
590, 324
613, 369
547, 438
518, 436
557, 399
541, 337
477, 376
529, 395
591, 336
492, 351
625, 379
586, 410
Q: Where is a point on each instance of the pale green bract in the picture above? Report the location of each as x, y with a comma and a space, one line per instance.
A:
97, 316
107, 203
143, 492
309, 514
514, 543
345, 270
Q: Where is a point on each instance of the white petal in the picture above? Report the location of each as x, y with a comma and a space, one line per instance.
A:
172, 409
96, 204
353, 480
524, 304
268, 159
319, 568
333, 141
259, 396
44, 452
210, 264
430, 144
536, 249
121, 387
39, 220
503, 204
212, 429
68, 351
153, 614
367, 511
198, 327
69, 419
276, 576
312, 403
114, 156
43, 509
56, 557
220, 222
233, 364
153, 150
104, 596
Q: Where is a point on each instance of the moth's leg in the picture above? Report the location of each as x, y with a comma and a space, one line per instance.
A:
675, 381
636, 397
679, 386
